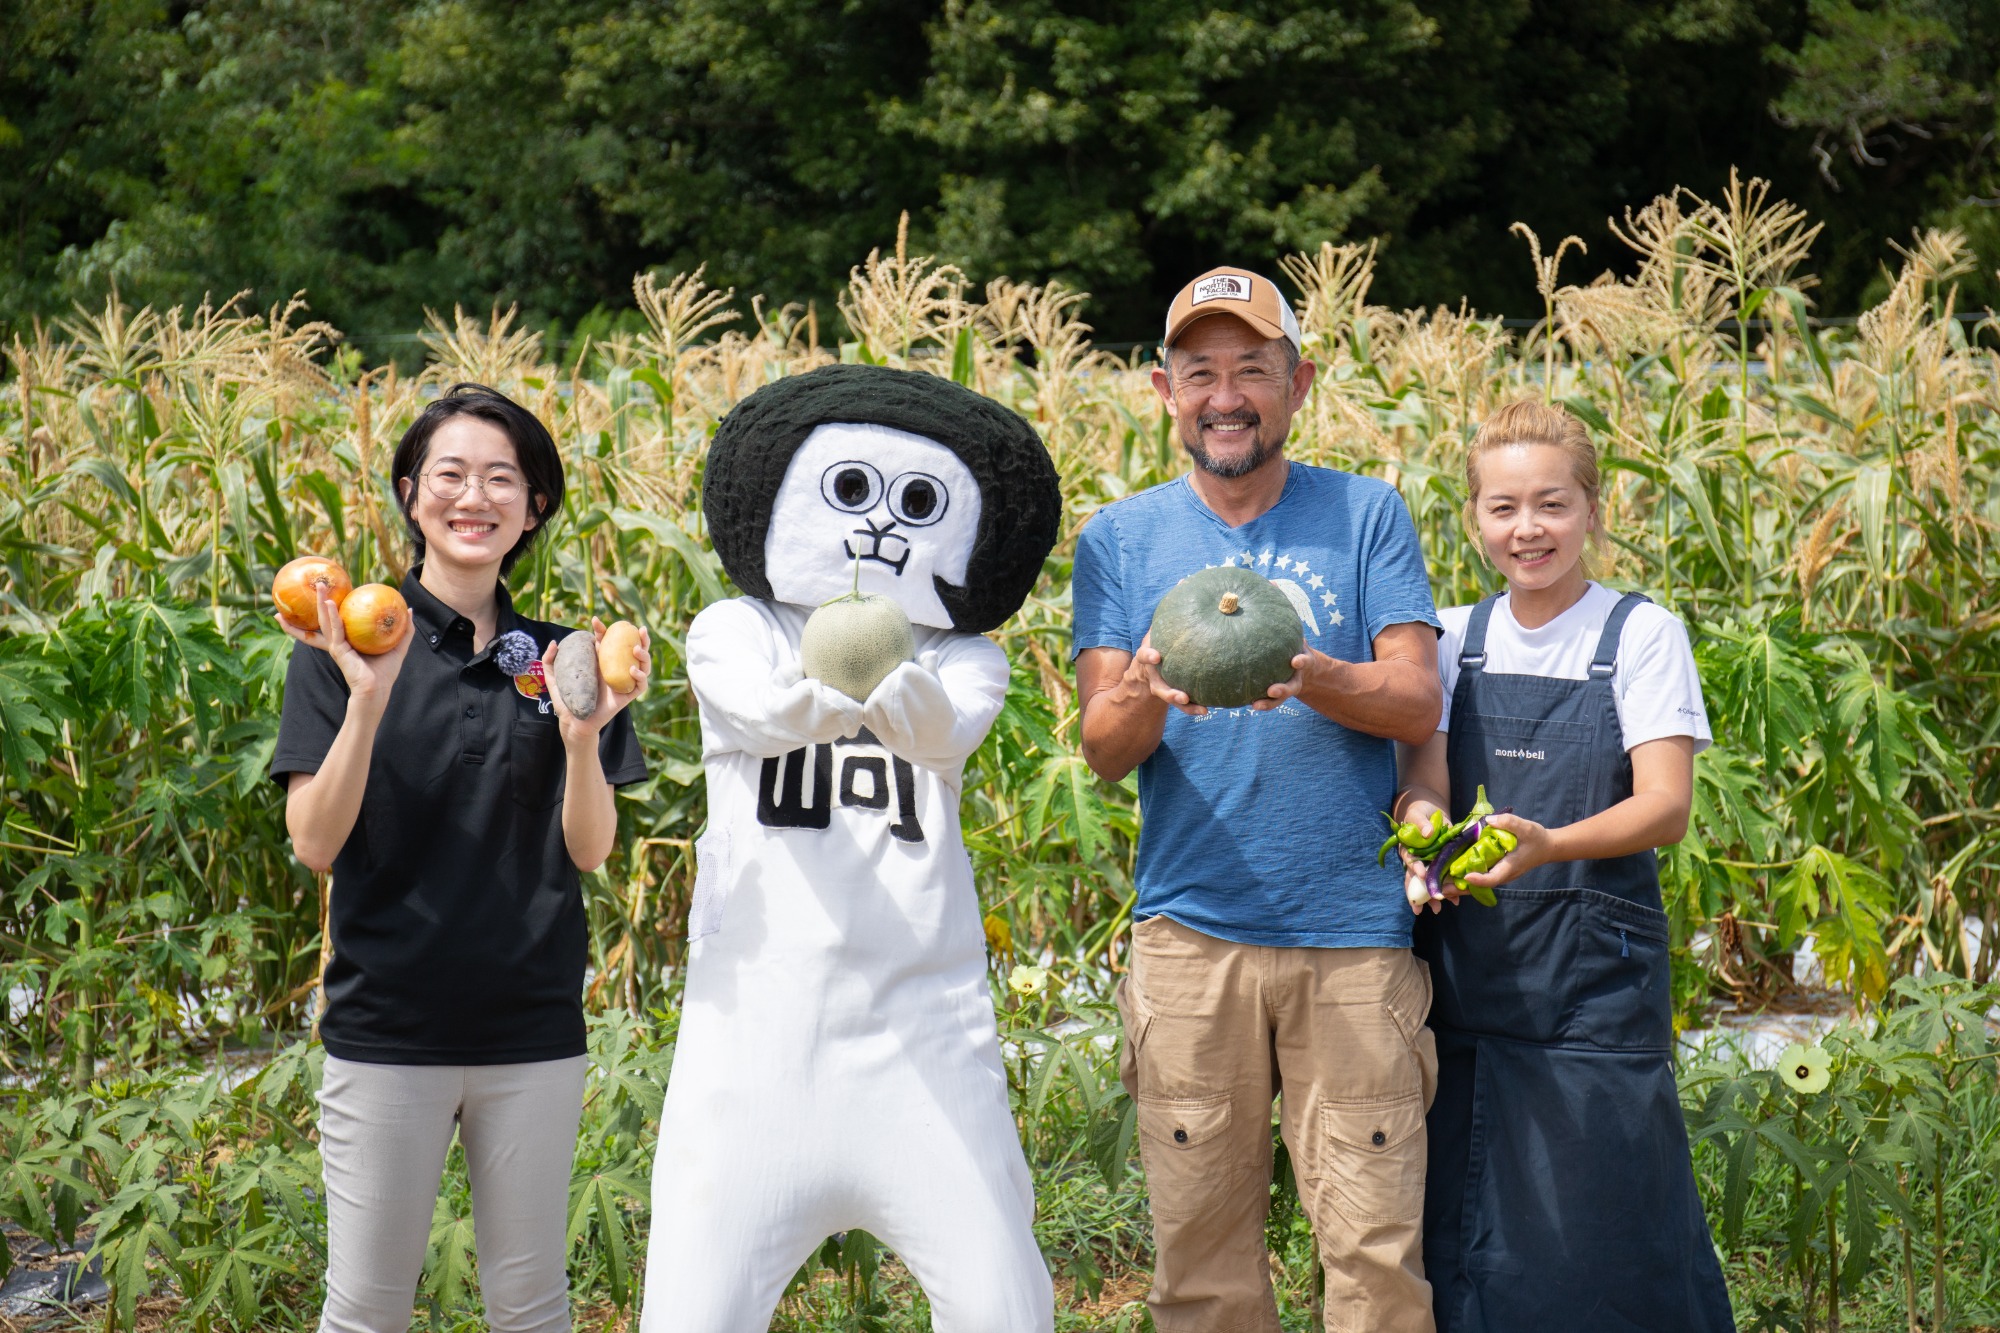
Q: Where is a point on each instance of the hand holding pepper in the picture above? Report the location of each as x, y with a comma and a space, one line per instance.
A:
1533, 846
1417, 886
1422, 834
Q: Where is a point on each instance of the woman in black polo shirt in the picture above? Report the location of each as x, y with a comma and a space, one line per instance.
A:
455, 802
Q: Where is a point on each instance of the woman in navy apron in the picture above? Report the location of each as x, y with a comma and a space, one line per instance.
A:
1560, 1196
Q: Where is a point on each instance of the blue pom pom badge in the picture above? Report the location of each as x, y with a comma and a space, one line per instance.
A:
516, 655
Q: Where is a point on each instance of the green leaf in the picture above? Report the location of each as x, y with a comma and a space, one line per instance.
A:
1728, 811
1065, 791
702, 564
449, 1267
1587, 412
1847, 935
1812, 406
1871, 486
278, 521
1763, 686
1112, 1134
1795, 301
106, 474
31, 706
328, 494
653, 380
1877, 723
1685, 477
961, 358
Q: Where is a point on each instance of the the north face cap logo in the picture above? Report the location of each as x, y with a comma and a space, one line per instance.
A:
1221, 287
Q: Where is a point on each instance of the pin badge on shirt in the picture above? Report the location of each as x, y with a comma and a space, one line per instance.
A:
515, 654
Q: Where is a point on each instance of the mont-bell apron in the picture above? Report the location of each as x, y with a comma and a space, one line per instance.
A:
1560, 1193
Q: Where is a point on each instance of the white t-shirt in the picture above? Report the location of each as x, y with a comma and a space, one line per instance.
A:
1656, 688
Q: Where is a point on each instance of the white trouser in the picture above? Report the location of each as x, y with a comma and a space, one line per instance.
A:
795, 1113
384, 1131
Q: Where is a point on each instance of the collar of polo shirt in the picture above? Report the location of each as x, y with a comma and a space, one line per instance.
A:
435, 621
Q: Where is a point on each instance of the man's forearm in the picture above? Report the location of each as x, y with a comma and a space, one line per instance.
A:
1397, 699
1121, 727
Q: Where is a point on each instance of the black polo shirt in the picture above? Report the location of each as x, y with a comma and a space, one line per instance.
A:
457, 916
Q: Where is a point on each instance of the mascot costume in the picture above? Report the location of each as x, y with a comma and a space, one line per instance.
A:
838, 1065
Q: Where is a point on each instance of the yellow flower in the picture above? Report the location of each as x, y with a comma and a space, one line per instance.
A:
1025, 980
999, 936
1805, 1068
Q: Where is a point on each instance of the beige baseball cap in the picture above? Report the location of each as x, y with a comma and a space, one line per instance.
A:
1250, 297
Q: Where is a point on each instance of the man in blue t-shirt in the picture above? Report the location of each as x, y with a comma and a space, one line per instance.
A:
1270, 950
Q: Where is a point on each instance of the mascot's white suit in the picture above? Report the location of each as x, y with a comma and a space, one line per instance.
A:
838, 1065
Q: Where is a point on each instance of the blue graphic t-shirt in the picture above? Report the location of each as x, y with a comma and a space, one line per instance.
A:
1261, 828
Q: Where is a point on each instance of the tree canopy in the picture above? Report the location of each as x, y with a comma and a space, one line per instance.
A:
390, 155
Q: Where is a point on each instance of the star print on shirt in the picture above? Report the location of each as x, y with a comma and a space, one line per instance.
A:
1292, 578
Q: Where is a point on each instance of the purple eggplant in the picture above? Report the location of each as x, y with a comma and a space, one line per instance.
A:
1464, 838
1468, 833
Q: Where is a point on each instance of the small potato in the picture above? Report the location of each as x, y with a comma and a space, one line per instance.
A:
576, 673
616, 655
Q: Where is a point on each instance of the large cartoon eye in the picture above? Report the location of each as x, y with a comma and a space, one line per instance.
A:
917, 499
854, 487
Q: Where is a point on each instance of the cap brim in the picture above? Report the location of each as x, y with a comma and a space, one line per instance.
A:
1257, 322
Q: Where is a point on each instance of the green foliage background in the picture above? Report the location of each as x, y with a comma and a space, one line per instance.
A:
388, 155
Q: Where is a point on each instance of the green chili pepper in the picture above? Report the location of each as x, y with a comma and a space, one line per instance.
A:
1422, 840
1483, 855
1426, 841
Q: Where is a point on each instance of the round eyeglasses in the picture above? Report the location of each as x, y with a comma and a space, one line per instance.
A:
448, 483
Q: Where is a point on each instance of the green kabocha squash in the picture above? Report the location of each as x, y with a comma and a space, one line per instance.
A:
1225, 636
852, 642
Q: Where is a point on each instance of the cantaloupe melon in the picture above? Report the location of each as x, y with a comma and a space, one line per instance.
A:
852, 642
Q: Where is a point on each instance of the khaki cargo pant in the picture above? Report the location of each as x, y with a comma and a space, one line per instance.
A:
1213, 1031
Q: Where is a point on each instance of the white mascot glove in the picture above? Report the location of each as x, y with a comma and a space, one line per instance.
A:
813, 711
910, 713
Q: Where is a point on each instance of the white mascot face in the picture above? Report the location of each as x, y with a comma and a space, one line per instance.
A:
903, 505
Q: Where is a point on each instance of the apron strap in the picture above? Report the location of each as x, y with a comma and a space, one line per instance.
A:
1472, 653
1606, 660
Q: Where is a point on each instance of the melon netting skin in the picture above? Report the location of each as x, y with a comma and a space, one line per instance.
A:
1021, 502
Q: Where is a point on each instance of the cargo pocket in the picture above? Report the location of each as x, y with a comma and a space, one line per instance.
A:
1184, 1145
535, 765
1374, 1157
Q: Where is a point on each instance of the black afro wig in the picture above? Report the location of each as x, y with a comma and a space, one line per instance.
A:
1020, 503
